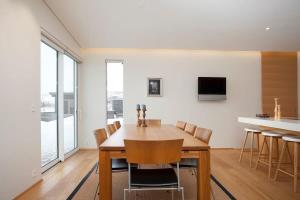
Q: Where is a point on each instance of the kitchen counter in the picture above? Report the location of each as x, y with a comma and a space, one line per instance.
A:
286, 124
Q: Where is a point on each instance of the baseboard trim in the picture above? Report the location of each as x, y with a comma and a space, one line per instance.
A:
29, 188
216, 148
87, 149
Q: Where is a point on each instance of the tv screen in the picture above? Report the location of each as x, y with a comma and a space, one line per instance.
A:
211, 85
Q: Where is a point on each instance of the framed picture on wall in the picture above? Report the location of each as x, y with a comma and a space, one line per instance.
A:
154, 87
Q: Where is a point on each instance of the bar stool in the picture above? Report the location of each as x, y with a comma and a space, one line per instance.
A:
273, 136
296, 141
252, 132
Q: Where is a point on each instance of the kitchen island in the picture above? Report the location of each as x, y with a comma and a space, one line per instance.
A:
284, 124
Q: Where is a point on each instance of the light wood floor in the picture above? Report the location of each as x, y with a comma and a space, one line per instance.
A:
59, 182
239, 179
249, 184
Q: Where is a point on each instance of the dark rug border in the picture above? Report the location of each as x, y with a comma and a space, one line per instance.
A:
222, 187
93, 168
81, 182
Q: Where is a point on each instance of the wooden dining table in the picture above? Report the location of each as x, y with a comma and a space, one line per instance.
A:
114, 147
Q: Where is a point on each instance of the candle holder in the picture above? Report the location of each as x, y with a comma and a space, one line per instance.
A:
144, 116
138, 123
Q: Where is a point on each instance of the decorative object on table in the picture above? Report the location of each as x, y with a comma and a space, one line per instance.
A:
138, 109
144, 115
278, 112
276, 108
263, 115
154, 87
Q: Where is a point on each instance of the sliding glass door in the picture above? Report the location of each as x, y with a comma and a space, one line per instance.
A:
58, 105
70, 104
49, 108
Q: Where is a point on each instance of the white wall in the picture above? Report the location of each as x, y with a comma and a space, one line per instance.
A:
298, 79
179, 70
20, 150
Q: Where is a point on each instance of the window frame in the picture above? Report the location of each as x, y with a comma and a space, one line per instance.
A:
106, 91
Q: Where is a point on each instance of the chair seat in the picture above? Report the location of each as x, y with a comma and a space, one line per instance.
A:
188, 163
271, 134
291, 138
153, 177
119, 164
252, 130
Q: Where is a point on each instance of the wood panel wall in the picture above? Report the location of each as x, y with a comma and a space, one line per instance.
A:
279, 79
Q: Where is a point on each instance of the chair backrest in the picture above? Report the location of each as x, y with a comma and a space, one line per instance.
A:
190, 128
117, 124
111, 129
153, 122
180, 125
153, 152
203, 134
100, 136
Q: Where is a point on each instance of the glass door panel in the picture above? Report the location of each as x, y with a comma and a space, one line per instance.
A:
70, 135
49, 116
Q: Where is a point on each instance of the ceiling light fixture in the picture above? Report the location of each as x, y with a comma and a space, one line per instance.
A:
267, 28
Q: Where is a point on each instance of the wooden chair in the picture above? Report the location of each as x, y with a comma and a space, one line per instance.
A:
202, 134
295, 140
190, 129
153, 122
101, 136
116, 164
160, 152
111, 129
180, 125
117, 124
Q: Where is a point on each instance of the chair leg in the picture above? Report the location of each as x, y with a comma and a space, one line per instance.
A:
277, 148
182, 193
280, 159
195, 172
172, 193
96, 191
270, 157
251, 149
257, 142
259, 154
124, 194
97, 168
295, 165
289, 154
243, 148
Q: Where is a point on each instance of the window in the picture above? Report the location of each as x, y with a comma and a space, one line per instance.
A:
114, 77
58, 105
49, 114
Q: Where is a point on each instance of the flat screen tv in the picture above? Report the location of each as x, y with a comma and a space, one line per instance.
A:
211, 88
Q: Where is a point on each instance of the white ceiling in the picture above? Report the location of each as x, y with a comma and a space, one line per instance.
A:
184, 24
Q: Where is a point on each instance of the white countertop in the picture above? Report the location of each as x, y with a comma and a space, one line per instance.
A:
286, 124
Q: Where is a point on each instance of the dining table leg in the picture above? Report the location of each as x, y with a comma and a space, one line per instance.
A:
203, 176
105, 175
